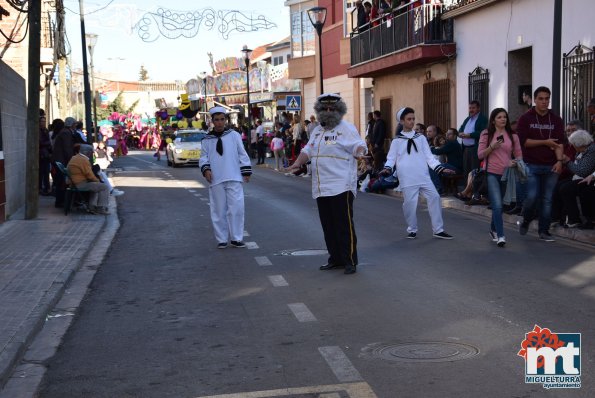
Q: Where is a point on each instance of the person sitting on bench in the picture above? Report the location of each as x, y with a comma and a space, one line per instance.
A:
81, 175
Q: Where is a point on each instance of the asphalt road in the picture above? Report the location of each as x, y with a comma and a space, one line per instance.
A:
169, 315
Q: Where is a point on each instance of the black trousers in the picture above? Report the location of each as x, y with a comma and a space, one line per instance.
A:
260, 146
336, 217
470, 159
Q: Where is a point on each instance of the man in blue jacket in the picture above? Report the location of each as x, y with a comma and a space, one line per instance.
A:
470, 131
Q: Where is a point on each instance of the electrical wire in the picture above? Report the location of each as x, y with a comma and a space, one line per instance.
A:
15, 29
91, 12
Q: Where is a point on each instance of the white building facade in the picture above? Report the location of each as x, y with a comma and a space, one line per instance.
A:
508, 45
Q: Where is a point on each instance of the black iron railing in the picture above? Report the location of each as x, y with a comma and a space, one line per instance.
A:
403, 28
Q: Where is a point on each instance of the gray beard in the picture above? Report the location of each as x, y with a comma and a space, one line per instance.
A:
329, 120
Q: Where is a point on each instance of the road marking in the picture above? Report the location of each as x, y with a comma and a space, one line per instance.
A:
349, 390
251, 245
197, 195
278, 280
191, 190
204, 199
264, 260
302, 313
246, 233
339, 364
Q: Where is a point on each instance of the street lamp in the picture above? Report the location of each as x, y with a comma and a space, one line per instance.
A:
87, 89
91, 41
317, 17
203, 76
247, 52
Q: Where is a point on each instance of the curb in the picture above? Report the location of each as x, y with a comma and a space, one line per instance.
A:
453, 203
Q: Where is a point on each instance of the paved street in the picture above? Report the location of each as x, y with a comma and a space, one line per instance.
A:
169, 315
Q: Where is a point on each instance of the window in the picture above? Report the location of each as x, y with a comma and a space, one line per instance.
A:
577, 85
479, 88
302, 34
437, 103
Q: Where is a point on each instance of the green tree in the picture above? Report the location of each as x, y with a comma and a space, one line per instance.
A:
117, 105
143, 75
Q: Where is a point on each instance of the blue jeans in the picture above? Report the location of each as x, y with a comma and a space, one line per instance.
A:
540, 189
496, 188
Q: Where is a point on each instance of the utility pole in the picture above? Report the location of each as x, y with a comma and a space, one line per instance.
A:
557, 58
32, 144
60, 50
87, 87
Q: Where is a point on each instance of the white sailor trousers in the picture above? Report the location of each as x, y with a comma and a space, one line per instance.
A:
411, 196
227, 211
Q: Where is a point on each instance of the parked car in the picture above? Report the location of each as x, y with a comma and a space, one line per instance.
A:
185, 147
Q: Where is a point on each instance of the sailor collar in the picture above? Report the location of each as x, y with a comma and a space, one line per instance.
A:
410, 141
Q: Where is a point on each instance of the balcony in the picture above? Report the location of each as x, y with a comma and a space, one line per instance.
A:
406, 38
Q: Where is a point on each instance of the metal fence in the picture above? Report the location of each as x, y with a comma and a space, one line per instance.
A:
399, 30
479, 88
578, 85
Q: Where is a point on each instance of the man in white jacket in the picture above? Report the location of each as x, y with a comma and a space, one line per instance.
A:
225, 164
333, 149
411, 155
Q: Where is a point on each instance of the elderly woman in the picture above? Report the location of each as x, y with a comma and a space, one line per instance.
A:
581, 184
334, 149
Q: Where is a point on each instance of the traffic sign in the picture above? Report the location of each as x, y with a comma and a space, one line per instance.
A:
293, 103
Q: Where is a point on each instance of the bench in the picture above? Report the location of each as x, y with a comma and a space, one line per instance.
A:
72, 192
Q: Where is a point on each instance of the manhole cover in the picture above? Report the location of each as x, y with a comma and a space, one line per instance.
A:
431, 351
303, 252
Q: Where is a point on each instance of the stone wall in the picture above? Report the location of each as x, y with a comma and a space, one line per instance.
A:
13, 133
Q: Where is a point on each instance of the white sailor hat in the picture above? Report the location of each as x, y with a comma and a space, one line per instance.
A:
217, 109
330, 98
399, 113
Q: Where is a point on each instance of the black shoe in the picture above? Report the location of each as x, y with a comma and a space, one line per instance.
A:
524, 227
546, 236
350, 269
328, 266
222, 246
515, 211
443, 235
412, 235
237, 243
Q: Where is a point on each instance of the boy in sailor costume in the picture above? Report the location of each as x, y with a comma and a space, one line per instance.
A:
410, 153
333, 149
225, 164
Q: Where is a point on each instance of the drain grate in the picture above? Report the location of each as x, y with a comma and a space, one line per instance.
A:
302, 252
424, 351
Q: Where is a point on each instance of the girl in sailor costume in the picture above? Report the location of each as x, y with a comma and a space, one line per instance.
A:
411, 155
225, 164
333, 149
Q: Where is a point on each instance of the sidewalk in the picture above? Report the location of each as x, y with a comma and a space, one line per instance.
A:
38, 258
583, 236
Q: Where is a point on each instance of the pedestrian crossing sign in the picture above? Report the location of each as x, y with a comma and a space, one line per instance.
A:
293, 103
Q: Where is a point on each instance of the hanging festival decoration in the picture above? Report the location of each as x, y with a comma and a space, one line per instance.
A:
174, 24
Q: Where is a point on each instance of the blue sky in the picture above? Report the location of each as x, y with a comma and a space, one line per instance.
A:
121, 49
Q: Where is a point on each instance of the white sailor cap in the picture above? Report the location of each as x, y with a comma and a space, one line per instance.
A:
330, 98
399, 113
217, 109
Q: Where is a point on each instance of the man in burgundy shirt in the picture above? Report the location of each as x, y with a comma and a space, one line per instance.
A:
542, 139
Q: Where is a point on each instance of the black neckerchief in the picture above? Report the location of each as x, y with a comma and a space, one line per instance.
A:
410, 141
219, 146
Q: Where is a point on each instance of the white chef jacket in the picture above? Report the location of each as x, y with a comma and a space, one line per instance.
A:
332, 153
